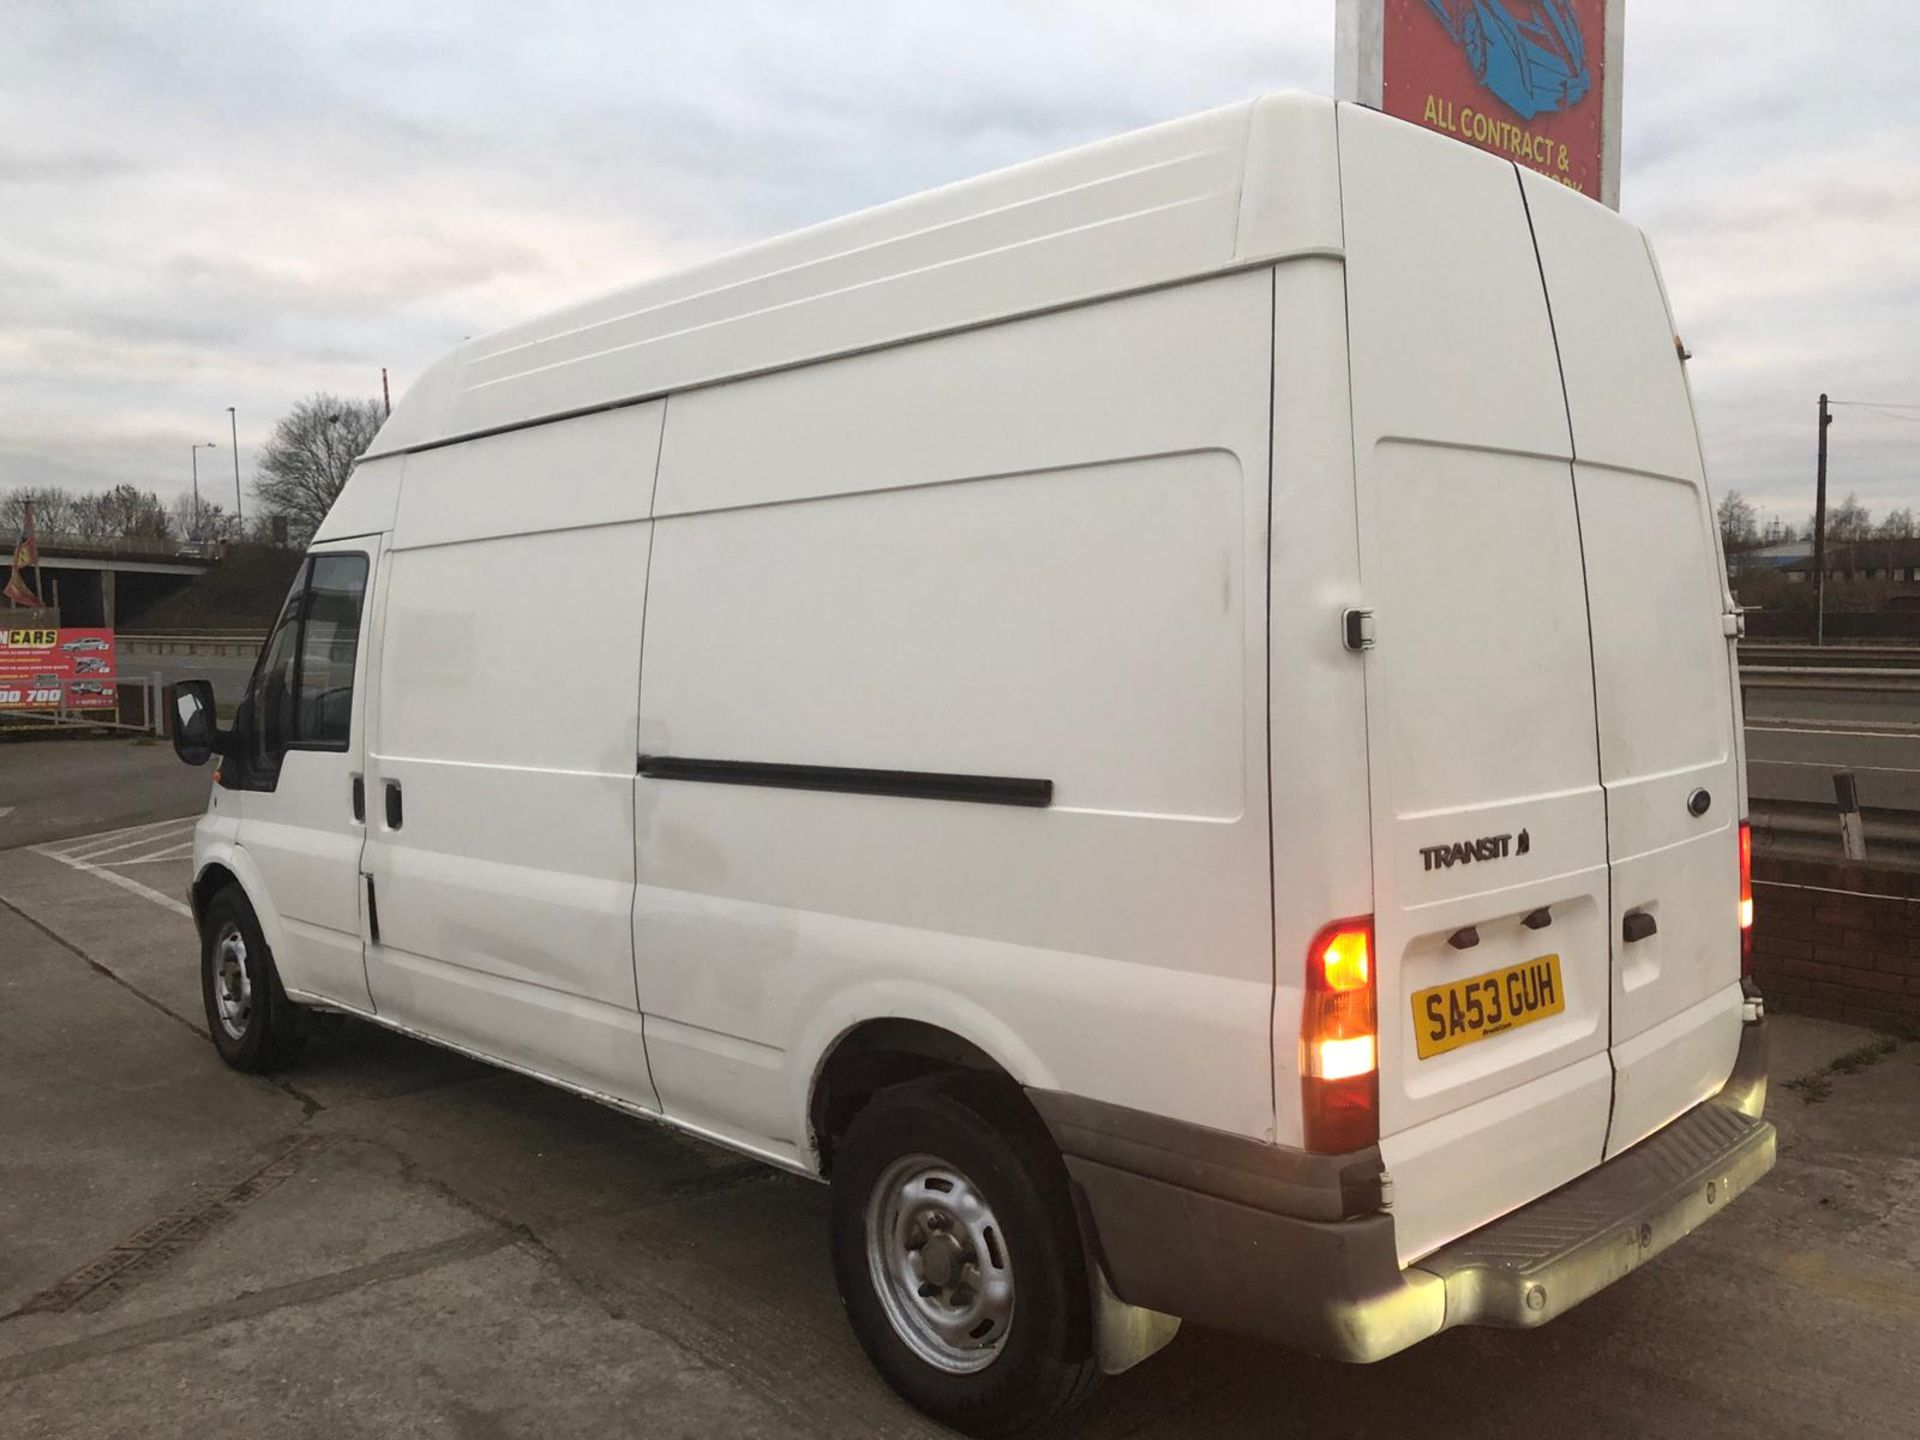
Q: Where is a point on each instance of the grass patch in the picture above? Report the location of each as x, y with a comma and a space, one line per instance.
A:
1819, 1085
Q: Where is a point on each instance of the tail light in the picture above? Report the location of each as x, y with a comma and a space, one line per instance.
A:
1339, 1043
1746, 900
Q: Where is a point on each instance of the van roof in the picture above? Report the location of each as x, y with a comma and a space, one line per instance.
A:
1244, 185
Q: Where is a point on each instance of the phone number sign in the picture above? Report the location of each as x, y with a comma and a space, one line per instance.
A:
57, 669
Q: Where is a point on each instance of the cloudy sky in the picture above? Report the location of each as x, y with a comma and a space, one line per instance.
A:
204, 205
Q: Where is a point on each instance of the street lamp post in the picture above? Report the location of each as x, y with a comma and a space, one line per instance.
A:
233, 426
208, 445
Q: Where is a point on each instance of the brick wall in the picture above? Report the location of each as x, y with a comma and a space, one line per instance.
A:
1838, 940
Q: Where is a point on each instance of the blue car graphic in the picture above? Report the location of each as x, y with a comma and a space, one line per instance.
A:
1530, 53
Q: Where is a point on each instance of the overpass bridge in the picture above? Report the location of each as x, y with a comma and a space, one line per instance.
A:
93, 582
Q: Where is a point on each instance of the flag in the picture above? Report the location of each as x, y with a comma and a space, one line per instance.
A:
25, 554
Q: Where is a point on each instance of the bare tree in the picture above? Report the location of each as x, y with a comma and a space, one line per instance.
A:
1899, 525
1849, 521
53, 511
124, 512
303, 467
1739, 526
206, 522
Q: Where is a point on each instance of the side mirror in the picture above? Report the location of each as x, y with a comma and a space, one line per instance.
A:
196, 731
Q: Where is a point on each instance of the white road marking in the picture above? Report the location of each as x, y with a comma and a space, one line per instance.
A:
82, 842
178, 852
1862, 734
113, 877
81, 852
5, 810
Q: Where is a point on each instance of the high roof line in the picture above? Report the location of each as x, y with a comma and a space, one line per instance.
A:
1246, 185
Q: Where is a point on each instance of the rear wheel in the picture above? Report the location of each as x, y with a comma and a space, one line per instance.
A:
958, 1256
253, 1024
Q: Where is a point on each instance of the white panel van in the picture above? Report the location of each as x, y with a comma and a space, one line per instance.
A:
1163, 719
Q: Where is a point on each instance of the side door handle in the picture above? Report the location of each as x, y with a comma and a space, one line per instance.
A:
360, 799
394, 813
1638, 925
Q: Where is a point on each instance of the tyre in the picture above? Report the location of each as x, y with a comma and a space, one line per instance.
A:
254, 1026
958, 1256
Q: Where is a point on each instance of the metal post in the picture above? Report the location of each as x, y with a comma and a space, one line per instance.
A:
1820, 532
233, 426
1846, 794
204, 445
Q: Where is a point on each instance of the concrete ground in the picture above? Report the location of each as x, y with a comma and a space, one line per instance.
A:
390, 1240
78, 785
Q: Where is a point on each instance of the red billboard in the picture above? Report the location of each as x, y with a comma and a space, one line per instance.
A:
56, 670
1521, 78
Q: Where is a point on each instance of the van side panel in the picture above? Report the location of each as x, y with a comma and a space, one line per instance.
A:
1661, 659
509, 669
1479, 691
1322, 835
1036, 550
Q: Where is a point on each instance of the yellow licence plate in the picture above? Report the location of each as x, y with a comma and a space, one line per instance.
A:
1463, 1011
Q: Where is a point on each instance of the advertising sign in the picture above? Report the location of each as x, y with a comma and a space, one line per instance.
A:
1533, 81
56, 669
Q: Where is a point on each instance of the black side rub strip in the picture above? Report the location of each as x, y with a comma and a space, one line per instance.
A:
915, 784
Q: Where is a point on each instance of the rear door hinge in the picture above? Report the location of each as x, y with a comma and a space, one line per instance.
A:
1356, 629
1733, 624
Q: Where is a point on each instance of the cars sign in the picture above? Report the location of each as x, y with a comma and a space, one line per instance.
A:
39, 669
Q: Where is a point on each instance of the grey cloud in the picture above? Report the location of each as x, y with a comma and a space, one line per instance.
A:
215, 204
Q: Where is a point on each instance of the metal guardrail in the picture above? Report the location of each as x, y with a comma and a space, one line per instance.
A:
1859, 680
1798, 825
1765, 652
212, 642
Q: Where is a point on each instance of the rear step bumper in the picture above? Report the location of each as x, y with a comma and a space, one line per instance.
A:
1211, 1237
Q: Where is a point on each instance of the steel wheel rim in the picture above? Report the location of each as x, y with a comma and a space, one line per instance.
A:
940, 1264
232, 986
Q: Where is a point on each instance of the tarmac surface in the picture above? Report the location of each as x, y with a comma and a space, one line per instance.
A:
392, 1240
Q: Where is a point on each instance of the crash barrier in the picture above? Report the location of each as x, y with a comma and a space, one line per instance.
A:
1838, 940
1841, 625
193, 642
1857, 679
1763, 653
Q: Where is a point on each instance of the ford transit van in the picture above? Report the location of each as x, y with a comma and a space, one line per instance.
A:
1163, 720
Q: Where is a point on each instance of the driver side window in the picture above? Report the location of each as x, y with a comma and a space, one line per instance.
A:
301, 695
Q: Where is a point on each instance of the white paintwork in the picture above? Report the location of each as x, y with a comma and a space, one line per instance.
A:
303, 842
1064, 473
1038, 543
368, 503
1480, 693
1235, 187
1663, 663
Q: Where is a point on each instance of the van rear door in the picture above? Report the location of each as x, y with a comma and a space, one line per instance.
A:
1663, 664
1491, 910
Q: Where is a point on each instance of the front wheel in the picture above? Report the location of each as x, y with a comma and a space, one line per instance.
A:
958, 1256
253, 1024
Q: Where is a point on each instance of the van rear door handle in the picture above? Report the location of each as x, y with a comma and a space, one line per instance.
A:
394, 814
1638, 926
360, 799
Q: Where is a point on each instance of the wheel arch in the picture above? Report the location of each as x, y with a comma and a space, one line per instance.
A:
225, 865
874, 1053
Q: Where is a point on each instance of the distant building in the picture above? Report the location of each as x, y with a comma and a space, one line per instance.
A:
1887, 560
1777, 556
